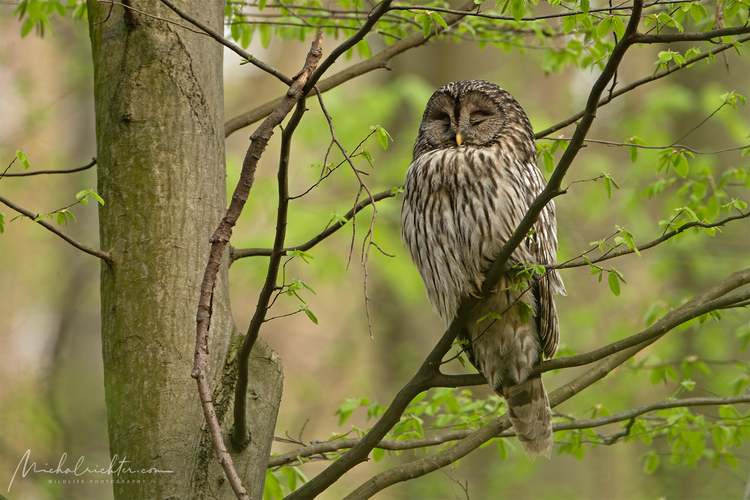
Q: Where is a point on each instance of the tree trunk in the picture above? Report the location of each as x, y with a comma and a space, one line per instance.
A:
160, 148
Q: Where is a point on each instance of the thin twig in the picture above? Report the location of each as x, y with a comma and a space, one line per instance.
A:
619, 253
105, 256
241, 253
368, 240
638, 83
233, 47
45, 172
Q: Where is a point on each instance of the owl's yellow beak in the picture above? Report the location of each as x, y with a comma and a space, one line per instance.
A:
459, 139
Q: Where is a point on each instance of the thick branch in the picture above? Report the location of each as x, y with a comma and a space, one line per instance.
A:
43, 172
638, 83
105, 256
694, 308
241, 253
219, 242
709, 300
378, 61
242, 53
429, 464
445, 437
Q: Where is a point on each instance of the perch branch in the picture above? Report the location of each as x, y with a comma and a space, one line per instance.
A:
445, 437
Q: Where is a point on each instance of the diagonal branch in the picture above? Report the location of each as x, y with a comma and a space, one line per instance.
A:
105, 256
704, 301
710, 300
429, 369
702, 36
219, 242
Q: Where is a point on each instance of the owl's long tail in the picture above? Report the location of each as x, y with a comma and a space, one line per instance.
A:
530, 414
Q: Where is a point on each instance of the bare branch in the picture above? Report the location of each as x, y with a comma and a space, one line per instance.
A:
105, 256
43, 172
233, 47
219, 242
241, 253
240, 434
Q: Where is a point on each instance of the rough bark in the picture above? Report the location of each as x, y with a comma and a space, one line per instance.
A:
160, 150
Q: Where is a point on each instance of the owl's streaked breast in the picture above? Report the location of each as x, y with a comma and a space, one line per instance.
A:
455, 218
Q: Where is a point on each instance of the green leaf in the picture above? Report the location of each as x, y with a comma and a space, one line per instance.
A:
364, 49
262, 5
517, 9
301, 254
23, 158
614, 283
585, 6
680, 164
604, 27
272, 489
2, 223
569, 23
439, 19
618, 26
309, 313
337, 219
426, 21
383, 135
492, 315
377, 454
652, 463
266, 34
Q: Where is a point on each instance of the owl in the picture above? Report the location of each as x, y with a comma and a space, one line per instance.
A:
471, 181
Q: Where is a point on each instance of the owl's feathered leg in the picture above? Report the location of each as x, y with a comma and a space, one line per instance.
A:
530, 414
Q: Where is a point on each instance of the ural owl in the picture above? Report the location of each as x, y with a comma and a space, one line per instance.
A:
471, 181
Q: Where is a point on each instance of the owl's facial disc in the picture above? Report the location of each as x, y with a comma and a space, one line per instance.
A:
479, 119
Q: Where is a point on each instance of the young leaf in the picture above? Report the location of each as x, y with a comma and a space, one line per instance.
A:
23, 158
614, 283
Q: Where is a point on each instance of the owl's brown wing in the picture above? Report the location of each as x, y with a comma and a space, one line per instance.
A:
545, 251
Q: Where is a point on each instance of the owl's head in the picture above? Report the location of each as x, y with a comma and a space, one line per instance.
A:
472, 113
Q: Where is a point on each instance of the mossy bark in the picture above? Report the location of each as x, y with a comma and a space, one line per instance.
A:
160, 149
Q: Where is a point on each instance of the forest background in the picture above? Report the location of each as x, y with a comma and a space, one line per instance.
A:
52, 375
